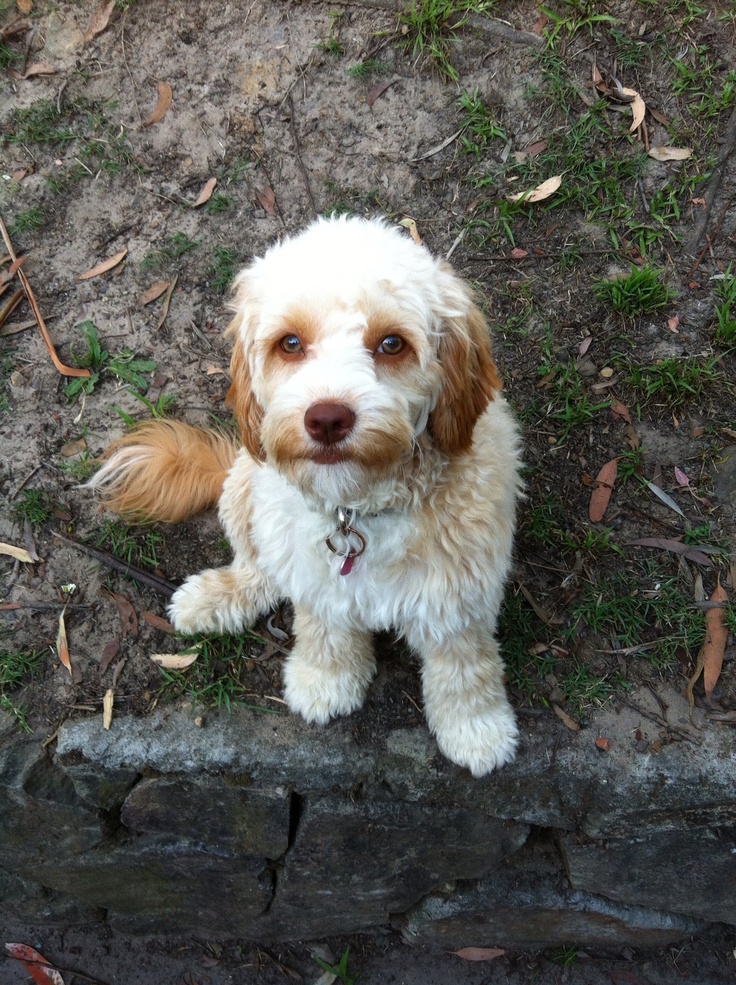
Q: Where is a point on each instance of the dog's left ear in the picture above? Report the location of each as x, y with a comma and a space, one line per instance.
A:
470, 377
246, 409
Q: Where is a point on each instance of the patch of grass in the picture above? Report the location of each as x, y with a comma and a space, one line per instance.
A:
429, 27
569, 405
28, 221
159, 410
222, 272
124, 365
219, 203
35, 506
17, 668
675, 382
174, 249
584, 688
520, 631
340, 970
81, 468
216, 679
480, 126
574, 16
9, 57
641, 293
725, 310
40, 123
132, 545
366, 69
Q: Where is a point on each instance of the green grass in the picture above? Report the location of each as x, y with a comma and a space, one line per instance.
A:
222, 272
340, 970
217, 678
676, 382
572, 16
366, 69
429, 27
480, 126
133, 545
568, 404
641, 293
178, 246
124, 365
35, 506
40, 123
725, 310
28, 221
219, 202
18, 668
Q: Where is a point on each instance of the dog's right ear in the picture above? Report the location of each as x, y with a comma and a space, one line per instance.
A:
246, 409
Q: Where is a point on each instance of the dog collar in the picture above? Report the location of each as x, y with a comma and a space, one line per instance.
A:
346, 542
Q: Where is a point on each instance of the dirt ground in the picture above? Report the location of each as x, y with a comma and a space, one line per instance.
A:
305, 108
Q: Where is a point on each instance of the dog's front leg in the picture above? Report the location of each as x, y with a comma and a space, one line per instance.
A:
222, 600
329, 670
465, 700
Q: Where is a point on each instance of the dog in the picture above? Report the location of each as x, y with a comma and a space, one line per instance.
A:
374, 483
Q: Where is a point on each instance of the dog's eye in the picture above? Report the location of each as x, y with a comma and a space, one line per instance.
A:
291, 344
392, 345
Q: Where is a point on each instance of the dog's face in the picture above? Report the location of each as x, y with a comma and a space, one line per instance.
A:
349, 342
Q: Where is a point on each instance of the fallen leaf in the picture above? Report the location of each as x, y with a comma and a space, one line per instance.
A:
106, 265
601, 495
72, 448
439, 147
40, 970
154, 291
378, 90
107, 703
602, 744
660, 117
174, 661
716, 634
118, 671
62, 646
167, 301
538, 194
518, 254
692, 553
17, 552
682, 479
670, 153
108, 655
165, 99
267, 200
565, 718
479, 953
544, 616
584, 346
24, 6
621, 411
99, 20
664, 497
536, 147
411, 226
38, 68
158, 622
638, 108
206, 194
213, 370
128, 618
672, 324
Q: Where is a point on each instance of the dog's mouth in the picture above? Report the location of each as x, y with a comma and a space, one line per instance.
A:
329, 456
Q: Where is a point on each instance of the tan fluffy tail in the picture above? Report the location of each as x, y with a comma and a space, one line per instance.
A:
165, 471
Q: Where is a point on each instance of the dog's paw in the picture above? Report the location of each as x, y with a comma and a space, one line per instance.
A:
202, 606
481, 742
319, 693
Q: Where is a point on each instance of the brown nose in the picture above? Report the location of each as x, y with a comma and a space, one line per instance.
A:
329, 423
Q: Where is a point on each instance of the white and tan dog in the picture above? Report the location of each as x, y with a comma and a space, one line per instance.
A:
375, 485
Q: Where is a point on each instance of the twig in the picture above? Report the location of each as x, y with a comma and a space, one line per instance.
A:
729, 142
27, 479
159, 585
504, 32
658, 720
298, 154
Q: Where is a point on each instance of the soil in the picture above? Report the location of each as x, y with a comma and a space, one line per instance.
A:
263, 100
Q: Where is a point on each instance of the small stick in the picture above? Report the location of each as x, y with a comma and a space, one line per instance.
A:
298, 153
159, 585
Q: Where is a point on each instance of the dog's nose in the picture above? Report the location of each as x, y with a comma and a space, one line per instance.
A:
329, 423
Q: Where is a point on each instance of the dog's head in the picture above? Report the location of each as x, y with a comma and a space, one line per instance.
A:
349, 341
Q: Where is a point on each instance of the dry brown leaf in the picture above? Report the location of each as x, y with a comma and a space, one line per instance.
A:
672, 324
72, 448
565, 718
118, 671
24, 6
62, 645
518, 254
539, 610
602, 744
206, 194
621, 410
35, 964
99, 20
716, 634
479, 953
107, 703
128, 618
17, 552
213, 370
174, 661
38, 68
158, 622
165, 99
378, 90
660, 117
638, 108
154, 291
411, 227
108, 654
670, 153
538, 194
267, 200
106, 265
601, 495
167, 301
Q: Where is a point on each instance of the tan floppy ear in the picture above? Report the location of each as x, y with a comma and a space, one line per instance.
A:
470, 381
246, 409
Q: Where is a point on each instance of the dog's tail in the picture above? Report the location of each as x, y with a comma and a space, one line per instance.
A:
165, 470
